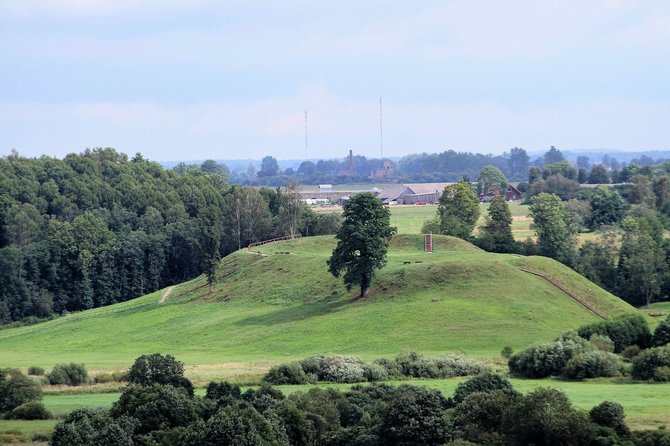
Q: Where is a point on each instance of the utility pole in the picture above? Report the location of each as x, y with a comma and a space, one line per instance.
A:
306, 152
381, 130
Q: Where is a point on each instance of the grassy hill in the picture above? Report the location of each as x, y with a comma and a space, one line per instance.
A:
280, 303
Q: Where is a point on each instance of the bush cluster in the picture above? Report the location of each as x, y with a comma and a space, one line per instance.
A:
35, 371
662, 333
350, 369
652, 364
630, 329
16, 389
484, 410
33, 410
69, 374
549, 358
593, 364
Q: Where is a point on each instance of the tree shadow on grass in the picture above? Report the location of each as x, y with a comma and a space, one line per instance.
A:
297, 312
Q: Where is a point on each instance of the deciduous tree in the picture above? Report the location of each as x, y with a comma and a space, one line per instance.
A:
458, 210
362, 241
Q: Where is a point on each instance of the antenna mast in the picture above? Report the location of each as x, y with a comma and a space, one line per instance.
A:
306, 153
381, 130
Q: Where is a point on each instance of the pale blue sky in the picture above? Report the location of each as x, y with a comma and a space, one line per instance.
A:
177, 79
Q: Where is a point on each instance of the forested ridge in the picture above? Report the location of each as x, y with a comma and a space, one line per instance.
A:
97, 228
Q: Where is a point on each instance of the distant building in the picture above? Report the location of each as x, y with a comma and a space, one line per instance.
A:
325, 188
511, 194
387, 172
415, 193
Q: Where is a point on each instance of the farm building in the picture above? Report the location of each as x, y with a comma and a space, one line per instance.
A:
512, 194
422, 193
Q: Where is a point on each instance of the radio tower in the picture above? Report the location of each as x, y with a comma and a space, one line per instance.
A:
381, 130
306, 153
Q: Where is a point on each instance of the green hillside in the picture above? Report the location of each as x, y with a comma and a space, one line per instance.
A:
281, 303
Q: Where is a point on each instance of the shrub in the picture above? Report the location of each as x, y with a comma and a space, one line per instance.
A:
155, 369
71, 374
16, 389
592, 365
336, 368
506, 352
662, 333
392, 367
546, 359
610, 414
375, 372
224, 389
33, 410
479, 416
602, 342
630, 329
413, 365
652, 364
630, 352
35, 371
286, 374
102, 378
120, 376
485, 382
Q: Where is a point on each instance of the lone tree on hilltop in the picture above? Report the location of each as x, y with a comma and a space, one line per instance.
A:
362, 241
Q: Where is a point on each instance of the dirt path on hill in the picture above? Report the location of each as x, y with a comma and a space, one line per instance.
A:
165, 295
558, 285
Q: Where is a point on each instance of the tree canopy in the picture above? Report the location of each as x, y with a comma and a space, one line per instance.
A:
458, 210
362, 241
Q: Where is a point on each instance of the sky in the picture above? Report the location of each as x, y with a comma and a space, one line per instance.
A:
201, 79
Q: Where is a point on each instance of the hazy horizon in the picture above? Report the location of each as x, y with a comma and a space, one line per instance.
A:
183, 79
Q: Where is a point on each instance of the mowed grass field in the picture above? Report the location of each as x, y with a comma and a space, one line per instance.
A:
281, 303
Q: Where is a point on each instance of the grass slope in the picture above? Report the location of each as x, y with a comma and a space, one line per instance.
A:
283, 304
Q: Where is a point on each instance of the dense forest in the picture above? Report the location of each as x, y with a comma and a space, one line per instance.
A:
97, 228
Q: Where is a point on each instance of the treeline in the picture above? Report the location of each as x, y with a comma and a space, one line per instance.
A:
159, 407
631, 256
425, 167
97, 228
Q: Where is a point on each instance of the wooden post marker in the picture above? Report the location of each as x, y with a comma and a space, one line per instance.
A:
428, 242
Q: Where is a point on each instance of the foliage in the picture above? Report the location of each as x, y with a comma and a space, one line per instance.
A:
593, 364
158, 369
291, 373
545, 416
16, 389
662, 333
71, 374
642, 266
596, 261
458, 210
156, 406
416, 416
631, 329
414, 365
556, 237
484, 383
336, 368
610, 414
479, 416
652, 364
86, 427
362, 241
598, 175
496, 234
491, 181
506, 352
32, 410
35, 371
549, 358
607, 207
